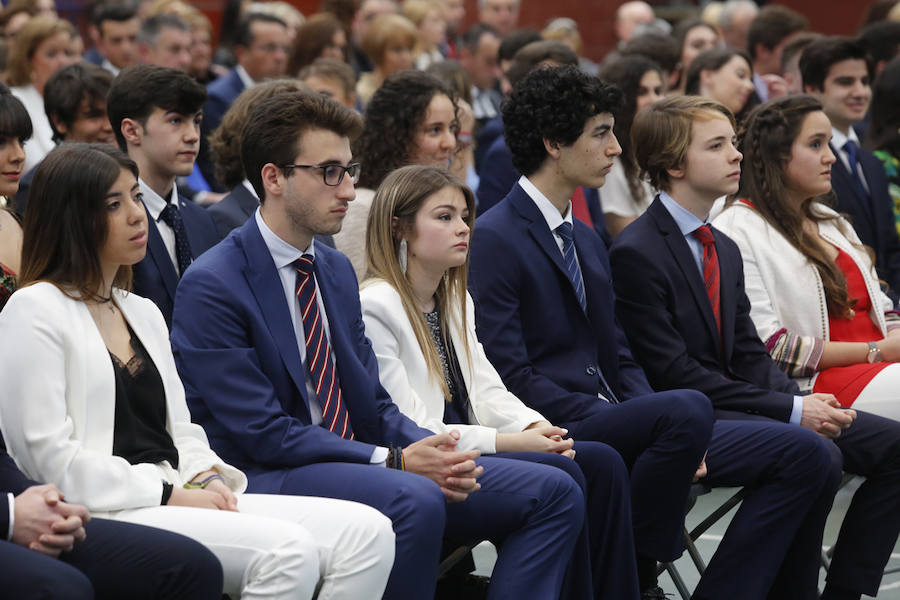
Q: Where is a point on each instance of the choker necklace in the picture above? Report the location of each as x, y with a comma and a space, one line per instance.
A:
107, 302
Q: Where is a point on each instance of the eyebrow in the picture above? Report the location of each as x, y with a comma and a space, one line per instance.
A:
602, 128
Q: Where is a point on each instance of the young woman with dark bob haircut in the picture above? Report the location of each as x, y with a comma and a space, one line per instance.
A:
815, 298
93, 402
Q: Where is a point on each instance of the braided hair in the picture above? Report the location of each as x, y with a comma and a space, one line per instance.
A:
765, 141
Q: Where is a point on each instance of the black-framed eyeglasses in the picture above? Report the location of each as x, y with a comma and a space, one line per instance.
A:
333, 175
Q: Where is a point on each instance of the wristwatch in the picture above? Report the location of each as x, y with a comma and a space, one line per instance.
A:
874, 354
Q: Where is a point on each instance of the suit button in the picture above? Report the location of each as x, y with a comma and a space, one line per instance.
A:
591, 370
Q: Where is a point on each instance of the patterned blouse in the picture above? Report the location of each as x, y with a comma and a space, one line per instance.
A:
7, 284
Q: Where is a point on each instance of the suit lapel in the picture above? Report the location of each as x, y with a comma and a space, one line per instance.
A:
156, 252
842, 177
265, 285
679, 249
541, 233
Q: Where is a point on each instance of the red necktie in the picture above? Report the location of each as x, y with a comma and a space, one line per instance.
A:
318, 353
710, 270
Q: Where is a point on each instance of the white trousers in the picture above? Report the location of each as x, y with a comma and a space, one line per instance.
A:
882, 395
284, 546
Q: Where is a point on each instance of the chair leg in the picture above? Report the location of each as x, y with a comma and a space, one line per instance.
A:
691, 547
678, 581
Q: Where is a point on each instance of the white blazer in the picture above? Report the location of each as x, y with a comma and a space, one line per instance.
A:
57, 410
404, 373
784, 288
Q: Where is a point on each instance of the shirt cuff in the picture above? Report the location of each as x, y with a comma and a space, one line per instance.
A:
797, 411
379, 456
12, 517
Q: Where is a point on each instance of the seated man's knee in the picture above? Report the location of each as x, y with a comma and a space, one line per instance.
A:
690, 412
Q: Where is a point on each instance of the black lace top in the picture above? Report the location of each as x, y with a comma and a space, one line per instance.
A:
140, 434
7, 284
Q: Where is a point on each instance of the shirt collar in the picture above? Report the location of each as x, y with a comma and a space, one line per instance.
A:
246, 183
283, 254
550, 212
154, 202
838, 138
110, 67
244, 76
687, 221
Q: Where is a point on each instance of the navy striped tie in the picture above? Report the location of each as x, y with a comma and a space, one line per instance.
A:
319, 360
565, 231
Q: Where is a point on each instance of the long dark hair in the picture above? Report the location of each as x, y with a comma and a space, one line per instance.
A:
66, 223
393, 115
884, 130
766, 142
626, 73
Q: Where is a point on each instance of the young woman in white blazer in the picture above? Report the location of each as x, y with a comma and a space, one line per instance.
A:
93, 403
421, 322
815, 297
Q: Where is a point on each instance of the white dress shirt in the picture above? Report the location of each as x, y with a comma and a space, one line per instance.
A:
244, 76
155, 205
838, 139
284, 255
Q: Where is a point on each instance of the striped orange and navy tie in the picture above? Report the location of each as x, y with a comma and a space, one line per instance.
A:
319, 360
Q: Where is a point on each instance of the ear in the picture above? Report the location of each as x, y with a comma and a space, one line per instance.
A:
552, 147
704, 79
761, 53
809, 88
59, 125
395, 228
94, 34
132, 131
677, 173
273, 180
239, 53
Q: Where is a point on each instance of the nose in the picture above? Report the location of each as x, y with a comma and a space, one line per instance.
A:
137, 214
448, 140
18, 152
614, 148
828, 158
345, 189
192, 132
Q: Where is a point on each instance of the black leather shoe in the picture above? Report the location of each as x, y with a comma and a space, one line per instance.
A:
654, 593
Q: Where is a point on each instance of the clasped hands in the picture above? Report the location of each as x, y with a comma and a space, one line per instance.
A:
823, 414
45, 523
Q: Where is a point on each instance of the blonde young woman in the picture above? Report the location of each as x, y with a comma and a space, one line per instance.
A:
421, 323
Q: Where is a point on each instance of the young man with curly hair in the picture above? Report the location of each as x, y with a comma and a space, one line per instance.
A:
545, 314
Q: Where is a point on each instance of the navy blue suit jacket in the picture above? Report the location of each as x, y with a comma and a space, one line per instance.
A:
237, 354
233, 210
499, 176
13, 481
663, 307
220, 94
546, 349
873, 217
156, 277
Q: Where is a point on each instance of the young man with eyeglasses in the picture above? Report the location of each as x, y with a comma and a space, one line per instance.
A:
270, 343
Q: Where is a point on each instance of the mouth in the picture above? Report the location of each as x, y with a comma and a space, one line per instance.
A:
735, 175
462, 245
12, 175
826, 174
189, 154
139, 239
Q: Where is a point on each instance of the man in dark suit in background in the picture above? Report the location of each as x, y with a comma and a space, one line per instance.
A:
155, 114
99, 557
262, 48
545, 314
665, 308
836, 71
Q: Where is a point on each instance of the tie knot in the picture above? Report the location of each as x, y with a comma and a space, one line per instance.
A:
704, 235
850, 148
304, 264
170, 214
565, 231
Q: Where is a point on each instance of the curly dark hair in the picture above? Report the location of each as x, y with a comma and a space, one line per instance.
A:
393, 115
552, 103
